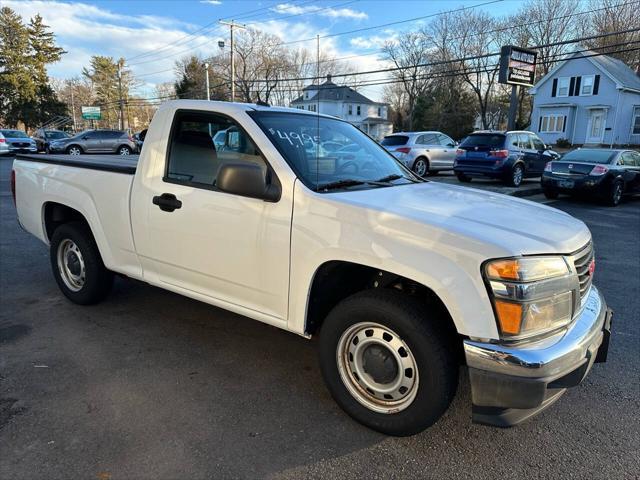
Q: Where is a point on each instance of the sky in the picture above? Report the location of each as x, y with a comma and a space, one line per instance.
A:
152, 34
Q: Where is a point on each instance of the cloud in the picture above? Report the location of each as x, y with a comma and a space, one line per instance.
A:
211, 2
375, 41
337, 13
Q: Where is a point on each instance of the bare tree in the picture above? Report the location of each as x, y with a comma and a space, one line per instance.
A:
409, 54
615, 18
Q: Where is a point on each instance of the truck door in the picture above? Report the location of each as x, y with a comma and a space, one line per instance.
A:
232, 249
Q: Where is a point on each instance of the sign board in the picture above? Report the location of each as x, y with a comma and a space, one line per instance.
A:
517, 66
91, 113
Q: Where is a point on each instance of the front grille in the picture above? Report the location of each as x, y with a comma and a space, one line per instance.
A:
581, 260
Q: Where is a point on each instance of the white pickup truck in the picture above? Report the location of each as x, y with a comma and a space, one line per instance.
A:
403, 280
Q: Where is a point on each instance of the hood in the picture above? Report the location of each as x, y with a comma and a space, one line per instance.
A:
513, 225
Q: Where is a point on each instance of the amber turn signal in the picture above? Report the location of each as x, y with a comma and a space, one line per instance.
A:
509, 317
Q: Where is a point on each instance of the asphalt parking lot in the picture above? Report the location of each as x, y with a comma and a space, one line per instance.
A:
152, 385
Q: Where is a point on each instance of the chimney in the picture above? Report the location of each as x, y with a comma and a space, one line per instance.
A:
328, 78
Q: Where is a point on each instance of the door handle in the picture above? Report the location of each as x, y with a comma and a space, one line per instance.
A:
167, 202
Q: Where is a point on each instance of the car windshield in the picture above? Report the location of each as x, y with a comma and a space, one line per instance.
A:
14, 134
483, 140
300, 137
394, 140
589, 156
56, 135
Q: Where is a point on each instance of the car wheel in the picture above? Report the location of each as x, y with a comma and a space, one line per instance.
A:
77, 265
462, 177
517, 174
421, 166
386, 364
124, 150
74, 150
615, 194
550, 193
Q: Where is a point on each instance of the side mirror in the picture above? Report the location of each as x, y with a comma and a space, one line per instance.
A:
247, 180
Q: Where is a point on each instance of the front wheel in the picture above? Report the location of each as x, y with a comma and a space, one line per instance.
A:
462, 177
77, 265
74, 150
386, 364
550, 193
124, 150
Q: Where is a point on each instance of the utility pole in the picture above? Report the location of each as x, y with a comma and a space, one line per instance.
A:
120, 64
73, 108
206, 78
232, 24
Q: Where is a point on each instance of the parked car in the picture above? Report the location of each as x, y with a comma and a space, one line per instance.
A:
44, 137
403, 281
507, 156
138, 138
422, 152
16, 141
605, 173
95, 141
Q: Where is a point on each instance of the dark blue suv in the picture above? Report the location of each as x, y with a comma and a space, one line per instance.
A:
508, 156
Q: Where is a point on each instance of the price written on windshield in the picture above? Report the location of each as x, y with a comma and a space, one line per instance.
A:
294, 137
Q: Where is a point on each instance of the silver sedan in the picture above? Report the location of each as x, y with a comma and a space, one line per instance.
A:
422, 152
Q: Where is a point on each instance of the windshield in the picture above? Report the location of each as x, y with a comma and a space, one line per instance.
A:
589, 156
308, 144
55, 135
14, 134
394, 140
483, 140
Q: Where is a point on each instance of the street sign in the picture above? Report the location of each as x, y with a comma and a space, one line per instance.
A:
517, 66
91, 113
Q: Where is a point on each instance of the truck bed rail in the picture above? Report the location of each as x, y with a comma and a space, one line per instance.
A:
108, 163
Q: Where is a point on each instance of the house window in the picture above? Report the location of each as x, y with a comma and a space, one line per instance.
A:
636, 121
306, 95
379, 111
587, 85
552, 123
350, 109
312, 107
563, 86
358, 110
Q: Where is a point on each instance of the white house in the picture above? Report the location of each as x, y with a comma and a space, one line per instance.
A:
589, 100
345, 103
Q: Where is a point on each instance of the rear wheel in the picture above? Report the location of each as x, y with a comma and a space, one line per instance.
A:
550, 193
77, 265
615, 194
462, 177
386, 364
516, 176
421, 166
74, 150
124, 150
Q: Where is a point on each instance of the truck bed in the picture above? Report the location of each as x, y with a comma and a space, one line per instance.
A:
109, 163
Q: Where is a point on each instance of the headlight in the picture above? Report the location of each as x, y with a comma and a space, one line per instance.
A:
531, 295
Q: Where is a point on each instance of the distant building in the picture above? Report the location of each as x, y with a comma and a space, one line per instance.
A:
345, 103
589, 100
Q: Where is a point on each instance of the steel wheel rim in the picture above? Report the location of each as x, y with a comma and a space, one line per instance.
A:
421, 167
71, 265
517, 175
74, 151
388, 397
124, 151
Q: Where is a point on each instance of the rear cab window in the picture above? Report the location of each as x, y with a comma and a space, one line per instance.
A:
394, 140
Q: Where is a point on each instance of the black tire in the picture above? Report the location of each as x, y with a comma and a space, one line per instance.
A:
550, 193
97, 281
515, 177
421, 166
124, 148
435, 361
462, 177
71, 149
615, 194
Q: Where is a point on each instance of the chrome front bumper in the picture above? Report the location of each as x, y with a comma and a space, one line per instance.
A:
510, 383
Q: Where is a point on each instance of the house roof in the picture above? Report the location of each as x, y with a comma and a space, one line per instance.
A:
615, 69
330, 91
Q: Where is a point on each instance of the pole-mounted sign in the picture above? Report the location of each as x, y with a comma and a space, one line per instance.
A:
91, 113
517, 66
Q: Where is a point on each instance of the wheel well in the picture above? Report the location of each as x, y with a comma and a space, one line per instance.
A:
56, 214
123, 145
74, 145
336, 280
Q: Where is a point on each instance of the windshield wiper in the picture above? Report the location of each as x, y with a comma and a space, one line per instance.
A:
395, 176
340, 184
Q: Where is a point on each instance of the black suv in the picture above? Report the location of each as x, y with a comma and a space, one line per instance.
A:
508, 156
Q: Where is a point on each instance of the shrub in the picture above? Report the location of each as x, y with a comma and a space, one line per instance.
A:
563, 143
